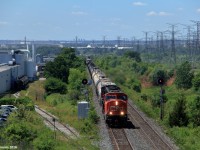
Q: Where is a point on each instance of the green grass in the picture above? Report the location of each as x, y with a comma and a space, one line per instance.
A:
185, 137
60, 106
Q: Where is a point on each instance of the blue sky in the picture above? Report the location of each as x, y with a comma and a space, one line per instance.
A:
92, 19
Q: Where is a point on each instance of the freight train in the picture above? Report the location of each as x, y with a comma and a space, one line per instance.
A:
111, 98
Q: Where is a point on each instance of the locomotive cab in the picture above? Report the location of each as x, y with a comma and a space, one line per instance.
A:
115, 106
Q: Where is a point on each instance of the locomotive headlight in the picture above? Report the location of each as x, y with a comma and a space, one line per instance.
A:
121, 113
116, 103
110, 113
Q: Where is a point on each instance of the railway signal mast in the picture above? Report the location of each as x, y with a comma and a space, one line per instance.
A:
162, 91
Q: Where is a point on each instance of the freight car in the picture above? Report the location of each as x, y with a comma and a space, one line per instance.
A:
110, 96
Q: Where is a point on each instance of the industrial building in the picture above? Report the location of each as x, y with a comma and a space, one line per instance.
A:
17, 68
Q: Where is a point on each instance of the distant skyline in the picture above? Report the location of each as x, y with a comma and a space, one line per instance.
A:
92, 19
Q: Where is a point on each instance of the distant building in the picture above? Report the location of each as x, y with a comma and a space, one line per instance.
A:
16, 69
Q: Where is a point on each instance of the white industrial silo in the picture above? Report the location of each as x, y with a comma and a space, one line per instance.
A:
30, 70
20, 60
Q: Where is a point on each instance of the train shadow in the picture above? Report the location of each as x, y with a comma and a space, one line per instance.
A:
127, 125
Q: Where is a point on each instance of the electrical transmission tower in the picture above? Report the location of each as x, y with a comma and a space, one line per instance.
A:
146, 45
76, 38
173, 48
138, 45
119, 41
104, 41
197, 36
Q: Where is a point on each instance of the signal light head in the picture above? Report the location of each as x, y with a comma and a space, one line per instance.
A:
84, 81
160, 81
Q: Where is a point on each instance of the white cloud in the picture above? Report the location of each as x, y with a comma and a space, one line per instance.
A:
180, 8
162, 13
198, 10
152, 13
79, 13
3, 23
139, 4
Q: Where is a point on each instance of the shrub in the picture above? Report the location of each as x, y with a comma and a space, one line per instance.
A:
144, 97
178, 116
196, 81
45, 141
93, 115
158, 73
53, 85
86, 126
171, 73
134, 55
136, 87
184, 76
155, 100
19, 132
195, 111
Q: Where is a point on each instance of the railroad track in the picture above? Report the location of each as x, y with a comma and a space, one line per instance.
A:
148, 132
53, 121
119, 139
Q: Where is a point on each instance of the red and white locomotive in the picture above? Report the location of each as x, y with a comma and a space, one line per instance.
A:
111, 98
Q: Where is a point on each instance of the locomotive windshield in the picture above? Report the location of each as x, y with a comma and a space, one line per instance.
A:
110, 97
121, 97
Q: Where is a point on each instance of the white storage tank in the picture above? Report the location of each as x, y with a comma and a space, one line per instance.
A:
20, 60
83, 108
30, 70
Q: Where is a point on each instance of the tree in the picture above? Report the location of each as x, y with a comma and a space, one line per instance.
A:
53, 85
184, 76
159, 74
195, 111
62, 63
19, 132
134, 55
196, 81
44, 141
178, 116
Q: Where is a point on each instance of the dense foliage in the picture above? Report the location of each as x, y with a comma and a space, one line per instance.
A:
184, 76
159, 74
181, 113
195, 111
178, 117
62, 63
134, 55
54, 85
196, 81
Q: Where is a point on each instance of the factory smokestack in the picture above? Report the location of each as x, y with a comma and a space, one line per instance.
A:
33, 52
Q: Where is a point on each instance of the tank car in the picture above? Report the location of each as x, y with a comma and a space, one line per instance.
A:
111, 98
